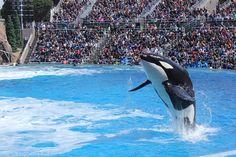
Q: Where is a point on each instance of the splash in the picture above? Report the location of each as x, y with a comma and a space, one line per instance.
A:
198, 134
205, 114
130, 82
222, 154
201, 131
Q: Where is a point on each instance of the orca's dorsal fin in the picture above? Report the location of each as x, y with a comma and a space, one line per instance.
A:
147, 82
178, 91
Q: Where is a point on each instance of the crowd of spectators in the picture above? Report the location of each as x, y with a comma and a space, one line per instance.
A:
183, 11
177, 10
207, 44
65, 45
118, 10
228, 13
69, 10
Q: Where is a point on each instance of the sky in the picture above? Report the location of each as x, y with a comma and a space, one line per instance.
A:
1, 3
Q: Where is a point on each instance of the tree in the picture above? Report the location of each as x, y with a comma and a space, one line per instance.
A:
10, 33
42, 9
55, 2
17, 30
11, 7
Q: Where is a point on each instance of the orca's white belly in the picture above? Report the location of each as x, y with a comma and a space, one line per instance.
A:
187, 112
157, 75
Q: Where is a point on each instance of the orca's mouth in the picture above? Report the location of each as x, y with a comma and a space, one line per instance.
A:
144, 57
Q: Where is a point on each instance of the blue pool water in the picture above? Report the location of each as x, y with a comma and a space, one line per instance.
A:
87, 111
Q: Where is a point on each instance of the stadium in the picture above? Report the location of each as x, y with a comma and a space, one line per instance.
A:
117, 78
112, 32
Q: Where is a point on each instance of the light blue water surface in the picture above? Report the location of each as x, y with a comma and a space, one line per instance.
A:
87, 111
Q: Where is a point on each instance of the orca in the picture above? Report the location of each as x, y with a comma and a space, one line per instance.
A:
173, 85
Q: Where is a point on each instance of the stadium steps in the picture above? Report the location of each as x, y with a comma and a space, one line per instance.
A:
226, 4
31, 36
100, 46
146, 12
34, 44
87, 10
210, 5
55, 9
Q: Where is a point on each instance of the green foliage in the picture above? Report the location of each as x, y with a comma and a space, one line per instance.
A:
222, 1
17, 30
10, 33
55, 2
42, 9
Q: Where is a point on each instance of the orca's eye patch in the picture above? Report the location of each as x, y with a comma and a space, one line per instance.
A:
166, 65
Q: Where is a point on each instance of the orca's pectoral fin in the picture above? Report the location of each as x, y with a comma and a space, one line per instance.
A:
147, 82
178, 91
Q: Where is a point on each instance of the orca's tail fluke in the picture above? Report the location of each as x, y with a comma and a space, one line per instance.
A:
147, 82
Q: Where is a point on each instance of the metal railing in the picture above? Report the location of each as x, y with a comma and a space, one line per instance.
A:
159, 23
